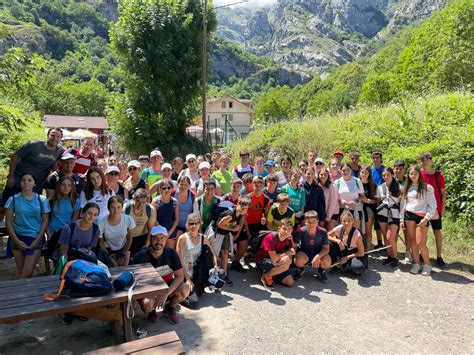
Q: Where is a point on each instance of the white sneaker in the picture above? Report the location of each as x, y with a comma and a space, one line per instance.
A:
415, 269
426, 270
408, 257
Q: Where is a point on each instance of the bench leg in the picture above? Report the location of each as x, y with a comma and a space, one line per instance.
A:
127, 323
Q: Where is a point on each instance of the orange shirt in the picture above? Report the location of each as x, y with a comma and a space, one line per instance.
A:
257, 208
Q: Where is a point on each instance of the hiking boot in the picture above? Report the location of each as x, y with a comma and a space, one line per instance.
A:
426, 270
322, 277
415, 269
191, 301
387, 261
68, 318
440, 262
227, 281
153, 317
408, 257
237, 266
170, 313
267, 281
394, 263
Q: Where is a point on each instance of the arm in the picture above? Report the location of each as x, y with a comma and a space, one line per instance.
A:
269, 220
128, 243
11, 172
431, 202
443, 201
151, 223
153, 188
11, 231
176, 220
180, 250
223, 224
214, 257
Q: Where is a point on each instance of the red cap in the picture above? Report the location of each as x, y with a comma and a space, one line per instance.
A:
338, 152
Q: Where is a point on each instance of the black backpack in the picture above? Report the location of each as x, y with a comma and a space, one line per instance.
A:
204, 263
53, 243
256, 243
345, 252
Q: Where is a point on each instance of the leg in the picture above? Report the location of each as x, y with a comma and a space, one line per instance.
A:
224, 259
383, 229
148, 305
421, 233
301, 259
179, 294
368, 233
284, 265
171, 243
439, 242
411, 233
29, 264
19, 261
241, 250
392, 240
288, 281
331, 224
325, 262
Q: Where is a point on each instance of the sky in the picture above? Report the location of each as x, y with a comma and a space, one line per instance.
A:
250, 2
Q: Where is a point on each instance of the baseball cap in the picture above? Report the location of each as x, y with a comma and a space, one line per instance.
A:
269, 163
134, 163
112, 168
159, 230
155, 153
190, 156
204, 164
143, 157
319, 160
338, 152
166, 166
67, 156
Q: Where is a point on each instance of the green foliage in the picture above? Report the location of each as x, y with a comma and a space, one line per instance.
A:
378, 89
441, 124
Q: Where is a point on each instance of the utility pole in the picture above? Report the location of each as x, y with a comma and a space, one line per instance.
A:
204, 76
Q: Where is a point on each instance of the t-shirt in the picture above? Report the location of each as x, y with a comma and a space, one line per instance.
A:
228, 197
193, 176
199, 185
257, 208
349, 190
224, 179
141, 220
309, 242
80, 239
345, 238
239, 171
283, 178
268, 244
377, 174
262, 174
115, 237
234, 221
83, 162
151, 176
53, 179
271, 195
37, 159
62, 213
165, 265
27, 218
297, 197
274, 216
436, 180
205, 210
100, 199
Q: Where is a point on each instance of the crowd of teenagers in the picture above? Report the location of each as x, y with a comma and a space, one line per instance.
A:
285, 215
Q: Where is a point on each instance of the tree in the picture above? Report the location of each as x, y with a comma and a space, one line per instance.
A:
160, 45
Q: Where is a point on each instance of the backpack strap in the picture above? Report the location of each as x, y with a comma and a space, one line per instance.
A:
275, 239
41, 205
128, 208
436, 174
357, 180
148, 210
51, 296
349, 239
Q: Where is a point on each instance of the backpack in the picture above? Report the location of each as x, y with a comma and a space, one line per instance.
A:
128, 209
256, 243
204, 263
82, 279
349, 239
53, 243
159, 202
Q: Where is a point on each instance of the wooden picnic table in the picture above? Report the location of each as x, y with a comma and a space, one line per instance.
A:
23, 299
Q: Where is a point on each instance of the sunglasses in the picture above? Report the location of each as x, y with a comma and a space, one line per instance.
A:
132, 168
114, 173
194, 223
425, 158
164, 188
244, 155
191, 161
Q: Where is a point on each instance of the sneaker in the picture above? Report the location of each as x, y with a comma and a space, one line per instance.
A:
394, 263
426, 270
322, 277
267, 281
415, 269
440, 262
237, 266
68, 318
408, 257
191, 301
379, 245
299, 274
387, 261
153, 317
170, 313
227, 281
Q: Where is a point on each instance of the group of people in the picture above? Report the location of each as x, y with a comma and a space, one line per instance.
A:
313, 213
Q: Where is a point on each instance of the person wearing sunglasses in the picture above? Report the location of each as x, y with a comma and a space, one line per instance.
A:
112, 175
134, 181
192, 170
167, 211
318, 166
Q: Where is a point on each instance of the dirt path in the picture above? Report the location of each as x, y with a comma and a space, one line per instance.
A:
384, 311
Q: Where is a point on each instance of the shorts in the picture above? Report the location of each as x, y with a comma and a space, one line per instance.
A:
436, 224
410, 216
137, 244
226, 244
335, 216
266, 266
369, 211
173, 235
255, 228
242, 237
310, 253
356, 213
383, 219
336, 253
11, 246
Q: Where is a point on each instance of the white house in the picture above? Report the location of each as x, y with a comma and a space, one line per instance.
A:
229, 114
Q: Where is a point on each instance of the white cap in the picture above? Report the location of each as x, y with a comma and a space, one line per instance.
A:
155, 153
112, 168
134, 163
166, 166
319, 160
159, 230
204, 164
67, 156
190, 156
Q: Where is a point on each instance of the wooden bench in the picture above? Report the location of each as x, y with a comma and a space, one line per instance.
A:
23, 299
166, 343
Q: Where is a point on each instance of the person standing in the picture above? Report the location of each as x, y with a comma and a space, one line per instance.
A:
66, 168
377, 170
354, 163
192, 170
177, 165
244, 167
222, 176
153, 172
315, 200
85, 157
436, 180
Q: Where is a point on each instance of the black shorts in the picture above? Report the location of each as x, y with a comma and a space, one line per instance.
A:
310, 253
336, 253
335, 216
255, 228
437, 224
383, 219
410, 216
265, 266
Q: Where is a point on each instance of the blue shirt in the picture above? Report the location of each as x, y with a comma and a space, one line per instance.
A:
377, 174
63, 215
27, 218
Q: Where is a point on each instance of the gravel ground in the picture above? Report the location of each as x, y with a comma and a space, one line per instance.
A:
383, 311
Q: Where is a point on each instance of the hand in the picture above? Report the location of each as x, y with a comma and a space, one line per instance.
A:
263, 221
11, 181
161, 300
316, 261
423, 223
35, 244
351, 204
341, 245
344, 260
402, 225
191, 285
21, 245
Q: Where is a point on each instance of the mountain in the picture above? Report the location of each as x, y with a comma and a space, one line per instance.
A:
313, 36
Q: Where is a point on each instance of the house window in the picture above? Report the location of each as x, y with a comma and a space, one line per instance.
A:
231, 117
230, 104
223, 104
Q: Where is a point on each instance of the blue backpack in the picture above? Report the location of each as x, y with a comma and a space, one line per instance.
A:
82, 279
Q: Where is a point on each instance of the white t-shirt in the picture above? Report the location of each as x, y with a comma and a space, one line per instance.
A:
349, 190
100, 199
116, 236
